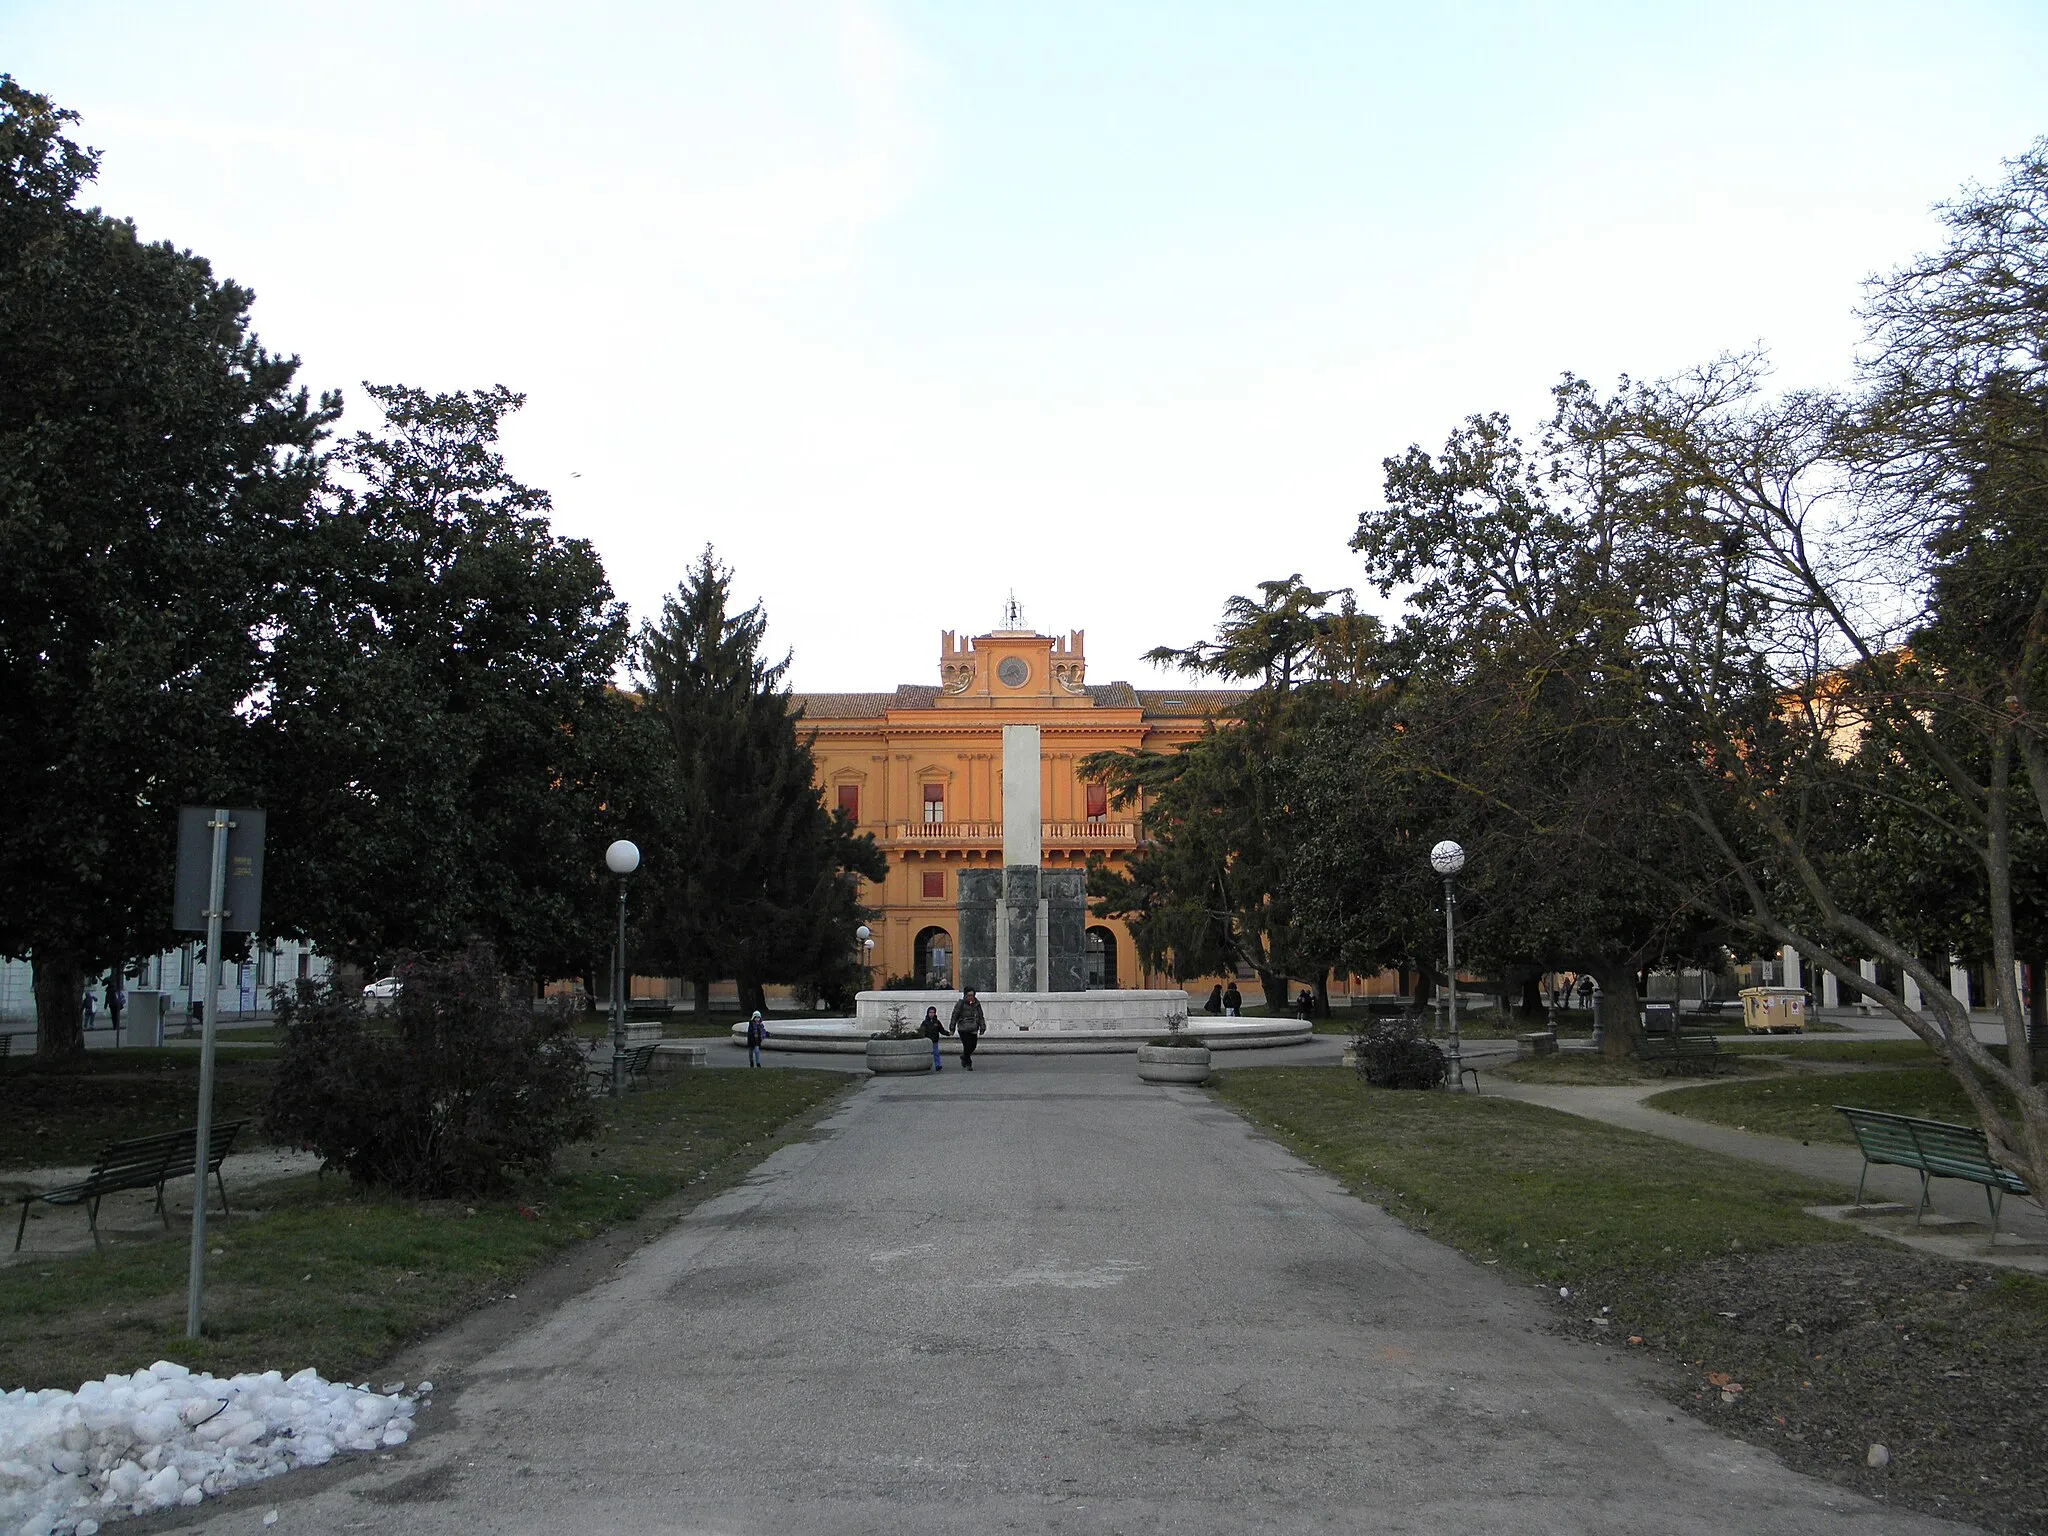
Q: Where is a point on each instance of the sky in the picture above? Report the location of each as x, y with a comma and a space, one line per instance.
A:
905, 306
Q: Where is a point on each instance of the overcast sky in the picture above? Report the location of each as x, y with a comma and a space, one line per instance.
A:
902, 305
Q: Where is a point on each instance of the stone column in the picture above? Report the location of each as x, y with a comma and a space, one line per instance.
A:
1959, 983
1788, 957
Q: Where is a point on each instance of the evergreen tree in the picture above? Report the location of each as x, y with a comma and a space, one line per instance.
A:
155, 469
444, 744
747, 874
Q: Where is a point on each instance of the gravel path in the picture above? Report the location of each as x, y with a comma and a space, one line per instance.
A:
1043, 1296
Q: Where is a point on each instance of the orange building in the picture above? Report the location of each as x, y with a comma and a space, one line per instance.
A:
922, 769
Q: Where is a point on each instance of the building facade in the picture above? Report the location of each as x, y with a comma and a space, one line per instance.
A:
921, 768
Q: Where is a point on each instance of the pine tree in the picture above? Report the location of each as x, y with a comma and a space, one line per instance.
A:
747, 874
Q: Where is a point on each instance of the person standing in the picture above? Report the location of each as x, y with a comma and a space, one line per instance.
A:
89, 1006
117, 999
757, 1031
1215, 1003
1586, 992
1232, 1001
932, 1029
968, 1023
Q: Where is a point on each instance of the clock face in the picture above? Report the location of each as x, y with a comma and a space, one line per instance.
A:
1013, 672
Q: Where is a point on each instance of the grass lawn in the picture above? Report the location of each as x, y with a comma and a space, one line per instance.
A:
1583, 1069
1887, 1053
338, 1280
1796, 1334
1802, 1106
1550, 1196
54, 1114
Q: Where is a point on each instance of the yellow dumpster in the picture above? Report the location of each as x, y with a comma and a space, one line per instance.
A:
1772, 1010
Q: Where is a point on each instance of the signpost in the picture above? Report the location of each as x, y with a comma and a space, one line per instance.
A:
218, 891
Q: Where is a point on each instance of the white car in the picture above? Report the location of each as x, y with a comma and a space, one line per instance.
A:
380, 994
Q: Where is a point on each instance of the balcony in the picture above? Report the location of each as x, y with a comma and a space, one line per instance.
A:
989, 834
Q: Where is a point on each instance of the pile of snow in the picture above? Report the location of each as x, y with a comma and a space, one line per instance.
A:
131, 1444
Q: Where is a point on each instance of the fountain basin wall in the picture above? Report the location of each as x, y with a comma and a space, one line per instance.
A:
1037, 1022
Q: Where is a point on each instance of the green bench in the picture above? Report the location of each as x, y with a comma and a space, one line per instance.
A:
147, 1162
598, 1067
1934, 1149
1680, 1049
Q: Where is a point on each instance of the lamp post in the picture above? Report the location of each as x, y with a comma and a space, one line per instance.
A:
864, 949
1447, 858
622, 858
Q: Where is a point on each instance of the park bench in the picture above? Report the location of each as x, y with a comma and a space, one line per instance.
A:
1683, 1050
147, 1162
598, 1068
1934, 1149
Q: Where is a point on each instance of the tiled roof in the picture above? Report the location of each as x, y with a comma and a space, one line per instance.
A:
1157, 703
1183, 702
842, 706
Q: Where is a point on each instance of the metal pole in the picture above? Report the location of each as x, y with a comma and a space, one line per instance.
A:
216, 904
619, 1001
1451, 972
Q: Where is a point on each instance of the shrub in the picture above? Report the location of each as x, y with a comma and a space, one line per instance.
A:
455, 1090
1391, 1053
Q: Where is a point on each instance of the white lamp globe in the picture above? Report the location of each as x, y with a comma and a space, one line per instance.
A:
1447, 858
862, 932
622, 858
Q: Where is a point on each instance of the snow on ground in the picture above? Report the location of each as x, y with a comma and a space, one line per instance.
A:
163, 1437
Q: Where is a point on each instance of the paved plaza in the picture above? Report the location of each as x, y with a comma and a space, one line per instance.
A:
1043, 1296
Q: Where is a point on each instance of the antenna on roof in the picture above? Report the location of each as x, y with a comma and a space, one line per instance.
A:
1013, 614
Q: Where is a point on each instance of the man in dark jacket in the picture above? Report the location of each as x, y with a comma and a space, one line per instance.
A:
968, 1024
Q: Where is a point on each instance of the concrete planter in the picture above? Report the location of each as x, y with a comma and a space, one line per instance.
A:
911, 1054
1173, 1063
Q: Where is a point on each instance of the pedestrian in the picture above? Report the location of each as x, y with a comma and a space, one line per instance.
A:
1215, 1003
1232, 1001
90, 1008
932, 1029
757, 1031
1585, 991
1305, 1005
968, 1023
117, 999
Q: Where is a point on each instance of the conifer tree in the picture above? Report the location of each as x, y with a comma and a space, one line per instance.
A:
747, 874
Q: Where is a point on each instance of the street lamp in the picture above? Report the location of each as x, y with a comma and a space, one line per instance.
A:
1447, 858
864, 940
622, 858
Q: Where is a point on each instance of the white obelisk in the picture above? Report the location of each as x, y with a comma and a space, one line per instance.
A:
1021, 848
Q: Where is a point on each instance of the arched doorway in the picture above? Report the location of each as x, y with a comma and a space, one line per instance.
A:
931, 960
1101, 960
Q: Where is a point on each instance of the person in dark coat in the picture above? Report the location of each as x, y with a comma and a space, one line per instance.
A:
932, 1029
1215, 1003
1232, 1001
1305, 1005
757, 1031
968, 1023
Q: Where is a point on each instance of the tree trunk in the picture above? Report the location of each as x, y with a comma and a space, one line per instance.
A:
1532, 997
2037, 1026
1619, 1011
700, 1000
59, 981
753, 996
1323, 995
1272, 985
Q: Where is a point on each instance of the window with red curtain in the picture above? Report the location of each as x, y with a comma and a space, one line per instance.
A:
1098, 802
849, 800
934, 802
935, 885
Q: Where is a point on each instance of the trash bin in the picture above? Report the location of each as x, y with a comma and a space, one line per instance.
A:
1773, 1010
